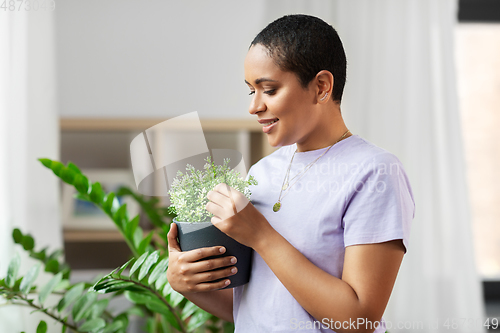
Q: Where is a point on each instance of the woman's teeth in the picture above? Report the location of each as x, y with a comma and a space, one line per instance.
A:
267, 124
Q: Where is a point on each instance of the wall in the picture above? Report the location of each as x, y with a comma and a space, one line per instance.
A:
154, 58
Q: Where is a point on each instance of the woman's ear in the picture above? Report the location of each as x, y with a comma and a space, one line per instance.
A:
324, 86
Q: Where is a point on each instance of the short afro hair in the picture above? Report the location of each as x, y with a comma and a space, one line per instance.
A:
305, 45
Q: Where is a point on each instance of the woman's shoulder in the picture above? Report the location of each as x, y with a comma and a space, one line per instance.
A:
360, 150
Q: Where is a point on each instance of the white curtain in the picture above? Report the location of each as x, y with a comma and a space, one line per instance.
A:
401, 95
29, 193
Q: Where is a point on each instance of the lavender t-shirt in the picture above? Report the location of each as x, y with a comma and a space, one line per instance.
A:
357, 193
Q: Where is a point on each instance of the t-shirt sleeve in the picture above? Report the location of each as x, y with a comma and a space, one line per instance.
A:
380, 205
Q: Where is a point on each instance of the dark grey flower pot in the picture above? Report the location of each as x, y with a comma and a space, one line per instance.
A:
195, 235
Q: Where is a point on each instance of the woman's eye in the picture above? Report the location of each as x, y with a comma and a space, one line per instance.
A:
252, 92
270, 92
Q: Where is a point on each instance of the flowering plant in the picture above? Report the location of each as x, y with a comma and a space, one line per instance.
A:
188, 193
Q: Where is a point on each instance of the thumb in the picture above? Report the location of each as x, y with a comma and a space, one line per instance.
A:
173, 244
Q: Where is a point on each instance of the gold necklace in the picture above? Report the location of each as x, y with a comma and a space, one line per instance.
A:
286, 182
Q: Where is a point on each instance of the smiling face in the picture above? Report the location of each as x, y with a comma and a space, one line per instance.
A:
278, 96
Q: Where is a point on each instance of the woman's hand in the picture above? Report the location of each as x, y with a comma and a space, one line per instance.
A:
235, 215
188, 273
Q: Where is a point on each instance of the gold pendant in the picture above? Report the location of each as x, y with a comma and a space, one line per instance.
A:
276, 206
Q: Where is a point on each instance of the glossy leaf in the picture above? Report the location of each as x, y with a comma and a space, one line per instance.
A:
81, 184
57, 167
120, 217
98, 308
46, 162
52, 266
148, 263
138, 263
29, 278
42, 327
92, 325
70, 296
111, 204
198, 319
68, 175
56, 254
137, 237
159, 270
17, 235
28, 243
49, 287
74, 168
145, 243
10, 279
82, 305
96, 193
188, 310
159, 307
131, 227
161, 281
41, 255
113, 327
124, 266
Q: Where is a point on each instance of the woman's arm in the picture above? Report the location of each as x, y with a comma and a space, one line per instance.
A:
192, 277
361, 294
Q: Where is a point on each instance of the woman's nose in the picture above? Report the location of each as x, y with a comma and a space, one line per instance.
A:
256, 105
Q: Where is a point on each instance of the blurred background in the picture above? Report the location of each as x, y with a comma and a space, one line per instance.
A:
80, 79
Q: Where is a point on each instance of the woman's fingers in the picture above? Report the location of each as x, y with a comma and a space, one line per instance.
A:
201, 253
173, 244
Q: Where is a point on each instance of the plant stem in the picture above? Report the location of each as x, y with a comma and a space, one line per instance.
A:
170, 307
46, 311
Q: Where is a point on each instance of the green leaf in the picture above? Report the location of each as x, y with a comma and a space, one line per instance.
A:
57, 167
150, 261
70, 296
82, 305
39, 255
28, 243
49, 287
42, 327
56, 254
29, 278
81, 184
124, 266
73, 167
46, 162
131, 227
137, 238
161, 281
174, 297
98, 308
188, 310
52, 266
159, 270
96, 193
92, 325
145, 243
138, 263
113, 327
198, 319
159, 307
120, 217
12, 271
17, 235
111, 204
68, 175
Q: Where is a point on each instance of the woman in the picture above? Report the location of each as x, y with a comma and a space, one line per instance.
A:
330, 218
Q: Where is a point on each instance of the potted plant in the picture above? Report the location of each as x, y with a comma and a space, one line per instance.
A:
188, 195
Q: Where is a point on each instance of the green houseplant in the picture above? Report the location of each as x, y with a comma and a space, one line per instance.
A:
83, 307
189, 198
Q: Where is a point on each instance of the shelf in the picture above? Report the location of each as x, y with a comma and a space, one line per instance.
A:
92, 236
140, 124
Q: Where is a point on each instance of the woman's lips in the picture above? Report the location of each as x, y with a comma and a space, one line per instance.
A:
268, 128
